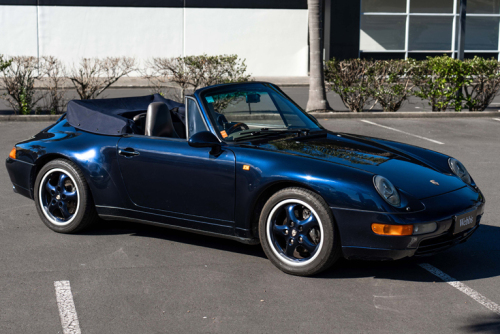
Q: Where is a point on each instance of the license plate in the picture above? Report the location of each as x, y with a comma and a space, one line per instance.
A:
465, 221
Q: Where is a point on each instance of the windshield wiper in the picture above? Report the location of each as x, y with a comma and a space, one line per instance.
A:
267, 131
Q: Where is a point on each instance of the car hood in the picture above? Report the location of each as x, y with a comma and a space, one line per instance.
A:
406, 171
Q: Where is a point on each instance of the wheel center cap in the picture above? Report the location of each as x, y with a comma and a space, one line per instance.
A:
294, 233
58, 197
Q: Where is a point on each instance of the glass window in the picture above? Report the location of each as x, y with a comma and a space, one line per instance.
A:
481, 33
380, 33
481, 6
251, 110
383, 6
430, 33
431, 6
194, 119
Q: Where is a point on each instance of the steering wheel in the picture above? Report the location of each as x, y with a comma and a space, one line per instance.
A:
236, 126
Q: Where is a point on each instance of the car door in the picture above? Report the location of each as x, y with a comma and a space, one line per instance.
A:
168, 175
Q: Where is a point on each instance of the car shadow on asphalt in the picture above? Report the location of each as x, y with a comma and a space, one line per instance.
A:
477, 258
483, 324
109, 227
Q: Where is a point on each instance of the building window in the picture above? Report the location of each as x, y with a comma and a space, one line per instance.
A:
420, 28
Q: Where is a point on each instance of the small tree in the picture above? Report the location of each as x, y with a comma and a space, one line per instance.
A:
19, 81
351, 80
390, 83
193, 72
484, 83
95, 75
54, 81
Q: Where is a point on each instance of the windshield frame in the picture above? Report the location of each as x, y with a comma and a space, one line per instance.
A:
201, 93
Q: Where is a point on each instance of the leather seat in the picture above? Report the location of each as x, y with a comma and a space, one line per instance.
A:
159, 121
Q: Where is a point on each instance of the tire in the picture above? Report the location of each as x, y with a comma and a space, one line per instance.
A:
62, 197
297, 232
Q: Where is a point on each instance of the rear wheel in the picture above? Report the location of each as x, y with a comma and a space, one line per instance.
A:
62, 197
297, 232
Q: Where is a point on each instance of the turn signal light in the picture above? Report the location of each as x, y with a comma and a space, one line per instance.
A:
12, 153
387, 229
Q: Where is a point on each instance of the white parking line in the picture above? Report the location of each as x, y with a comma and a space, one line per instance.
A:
67, 311
463, 288
406, 133
497, 119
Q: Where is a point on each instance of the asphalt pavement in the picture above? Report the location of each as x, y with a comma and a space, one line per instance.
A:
132, 278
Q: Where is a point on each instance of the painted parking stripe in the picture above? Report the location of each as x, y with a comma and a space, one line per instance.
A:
66, 305
497, 119
406, 133
463, 288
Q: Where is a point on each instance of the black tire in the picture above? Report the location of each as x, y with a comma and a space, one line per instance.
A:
57, 197
311, 254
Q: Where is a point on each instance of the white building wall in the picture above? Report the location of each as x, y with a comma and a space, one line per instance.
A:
273, 41
18, 31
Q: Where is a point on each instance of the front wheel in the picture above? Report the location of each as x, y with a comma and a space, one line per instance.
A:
62, 197
297, 232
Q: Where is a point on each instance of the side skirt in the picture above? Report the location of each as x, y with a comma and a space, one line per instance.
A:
220, 231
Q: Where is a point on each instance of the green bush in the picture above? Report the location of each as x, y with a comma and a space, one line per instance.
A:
440, 80
351, 80
4, 63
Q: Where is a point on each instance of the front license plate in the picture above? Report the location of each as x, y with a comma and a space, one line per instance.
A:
465, 221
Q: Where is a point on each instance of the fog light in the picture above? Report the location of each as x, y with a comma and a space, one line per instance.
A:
387, 229
424, 228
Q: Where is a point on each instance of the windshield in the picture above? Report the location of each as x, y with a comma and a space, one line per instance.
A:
253, 110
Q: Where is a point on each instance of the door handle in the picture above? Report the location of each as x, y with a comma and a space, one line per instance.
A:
128, 152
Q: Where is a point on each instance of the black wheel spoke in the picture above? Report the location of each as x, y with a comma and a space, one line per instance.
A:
308, 223
50, 188
62, 179
290, 248
64, 210
290, 215
69, 195
281, 230
52, 206
308, 245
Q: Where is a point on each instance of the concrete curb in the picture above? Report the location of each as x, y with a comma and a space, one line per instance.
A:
404, 114
29, 118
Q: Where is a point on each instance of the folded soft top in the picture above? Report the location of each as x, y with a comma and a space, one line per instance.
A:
114, 116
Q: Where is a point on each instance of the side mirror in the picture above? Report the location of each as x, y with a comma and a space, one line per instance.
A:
253, 98
204, 139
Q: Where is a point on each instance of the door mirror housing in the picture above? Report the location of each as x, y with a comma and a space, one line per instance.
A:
204, 139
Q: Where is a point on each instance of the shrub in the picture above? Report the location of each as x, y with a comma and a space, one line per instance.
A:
484, 83
390, 83
19, 81
54, 74
193, 72
94, 75
4, 63
350, 79
440, 80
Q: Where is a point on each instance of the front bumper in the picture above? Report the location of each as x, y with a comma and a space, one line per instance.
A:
20, 175
359, 242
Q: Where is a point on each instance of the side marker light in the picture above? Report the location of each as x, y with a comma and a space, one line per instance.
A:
246, 167
12, 153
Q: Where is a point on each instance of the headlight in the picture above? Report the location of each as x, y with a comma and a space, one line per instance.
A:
387, 190
459, 170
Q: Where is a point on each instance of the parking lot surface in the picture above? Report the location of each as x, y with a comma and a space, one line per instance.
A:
132, 278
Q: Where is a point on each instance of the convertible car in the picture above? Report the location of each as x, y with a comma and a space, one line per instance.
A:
243, 161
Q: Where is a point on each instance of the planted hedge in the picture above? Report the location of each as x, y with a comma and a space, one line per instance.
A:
446, 82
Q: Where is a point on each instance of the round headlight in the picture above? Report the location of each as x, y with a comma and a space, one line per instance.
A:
459, 170
386, 189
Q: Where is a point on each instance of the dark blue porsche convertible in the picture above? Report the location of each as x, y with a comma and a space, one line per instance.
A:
243, 161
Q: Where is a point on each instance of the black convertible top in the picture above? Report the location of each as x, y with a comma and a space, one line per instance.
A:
114, 116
